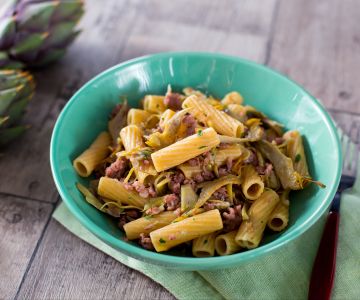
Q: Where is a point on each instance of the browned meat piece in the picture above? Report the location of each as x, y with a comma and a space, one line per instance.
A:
220, 194
223, 171
144, 191
194, 162
252, 159
145, 242
264, 170
207, 175
172, 202
173, 101
232, 218
190, 124
175, 182
117, 168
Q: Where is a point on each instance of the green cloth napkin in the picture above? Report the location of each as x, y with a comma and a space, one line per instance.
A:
283, 274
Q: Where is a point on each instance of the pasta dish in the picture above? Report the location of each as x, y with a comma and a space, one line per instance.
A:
190, 170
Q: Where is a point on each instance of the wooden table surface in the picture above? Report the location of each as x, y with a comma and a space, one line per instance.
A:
316, 43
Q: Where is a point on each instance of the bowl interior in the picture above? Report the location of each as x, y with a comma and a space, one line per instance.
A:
281, 99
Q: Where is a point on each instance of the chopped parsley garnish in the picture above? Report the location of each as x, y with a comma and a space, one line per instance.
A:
202, 147
146, 153
157, 105
297, 158
148, 217
199, 133
205, 242
193, 219
162, 241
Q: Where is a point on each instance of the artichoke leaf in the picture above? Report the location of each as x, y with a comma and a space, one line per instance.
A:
188, 197
118, 122
208, 188
282, 164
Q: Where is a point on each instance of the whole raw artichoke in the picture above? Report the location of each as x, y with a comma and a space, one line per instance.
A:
16, 89
36, 32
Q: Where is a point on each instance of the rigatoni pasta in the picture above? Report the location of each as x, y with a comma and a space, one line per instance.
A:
86, 162
186, 230
194, 171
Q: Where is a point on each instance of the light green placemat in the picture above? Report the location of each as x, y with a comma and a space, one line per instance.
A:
283, 274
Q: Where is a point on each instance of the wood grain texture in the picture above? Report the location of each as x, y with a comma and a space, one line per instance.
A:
67, 268
21, 225
202, 25
317, 43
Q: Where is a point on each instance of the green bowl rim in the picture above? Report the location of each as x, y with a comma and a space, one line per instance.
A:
191, 263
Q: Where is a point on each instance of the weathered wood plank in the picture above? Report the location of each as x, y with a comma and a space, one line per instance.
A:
317, 43
209, 26
21, 225
65, 267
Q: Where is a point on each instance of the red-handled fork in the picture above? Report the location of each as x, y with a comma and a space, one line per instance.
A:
323, 273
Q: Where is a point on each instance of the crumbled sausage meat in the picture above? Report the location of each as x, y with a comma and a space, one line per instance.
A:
117, 168
172, 201
232, 218
145, 242
173, 101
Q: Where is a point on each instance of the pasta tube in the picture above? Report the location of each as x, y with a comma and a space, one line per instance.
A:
204, 246
154, 104
225, 243
137, 116
184, 150
147, 224
207, 114
295, 150
86, 162
231, 152
279, 218
186, 230
131, 137
113, 189
232, 98
251, 230
252, 185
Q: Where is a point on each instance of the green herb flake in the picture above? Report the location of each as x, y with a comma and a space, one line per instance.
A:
205, 242
148, 217
297, 158
146, 153
202, 147
157, 105
205, 114
194, 219
199, 133
162, 241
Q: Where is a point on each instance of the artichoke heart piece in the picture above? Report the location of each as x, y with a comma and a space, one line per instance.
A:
283, 165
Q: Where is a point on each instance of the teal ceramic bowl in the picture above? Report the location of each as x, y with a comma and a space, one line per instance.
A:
85, 115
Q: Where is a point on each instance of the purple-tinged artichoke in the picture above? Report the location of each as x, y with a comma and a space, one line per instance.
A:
16, 89
36, 32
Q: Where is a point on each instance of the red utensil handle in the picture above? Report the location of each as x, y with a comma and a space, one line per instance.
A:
322, 277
